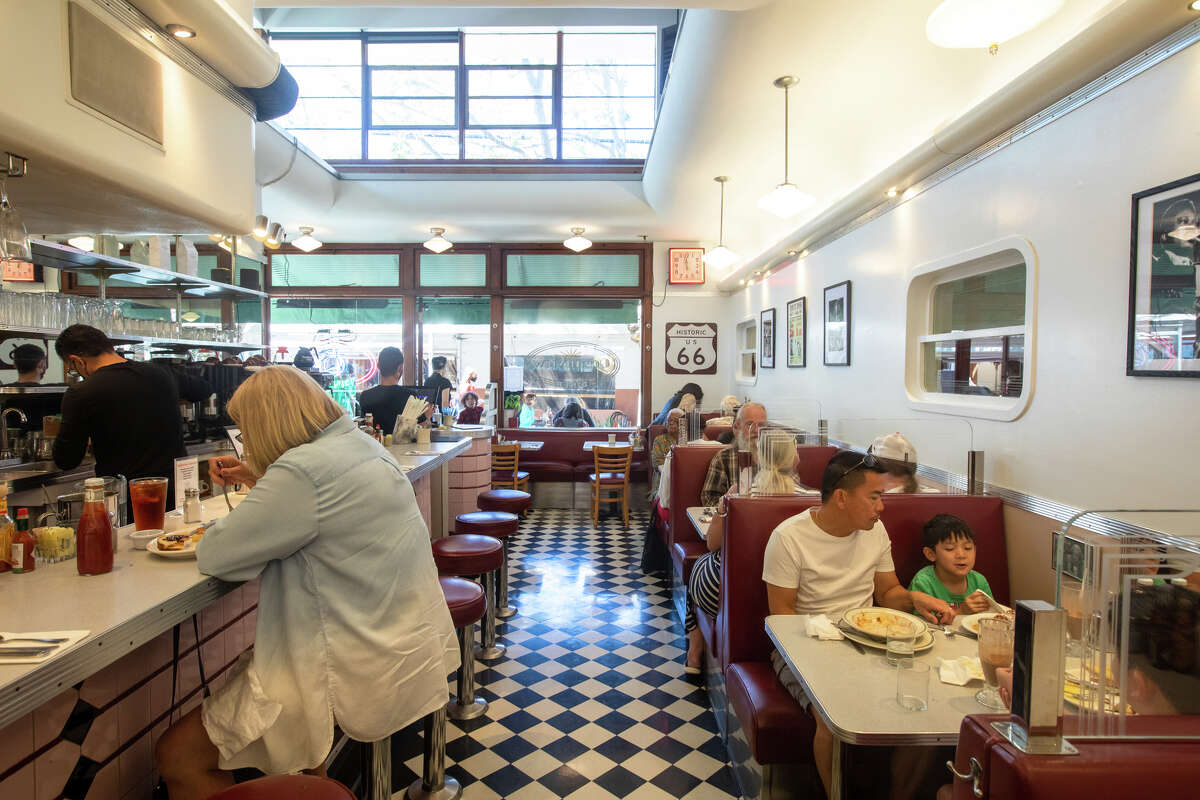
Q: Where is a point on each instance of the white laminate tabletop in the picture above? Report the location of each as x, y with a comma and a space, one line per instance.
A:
694, 513
855, 693
531, 445
619, 443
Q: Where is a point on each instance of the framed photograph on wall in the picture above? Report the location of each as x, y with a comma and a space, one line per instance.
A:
685, 265
766, 328
1164, 289
837, 325
797, 332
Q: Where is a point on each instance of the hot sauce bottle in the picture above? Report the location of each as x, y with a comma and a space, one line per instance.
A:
94, 534
22, 544
6, 529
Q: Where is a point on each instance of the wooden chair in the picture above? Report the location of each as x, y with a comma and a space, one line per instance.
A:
505, 471
611, 474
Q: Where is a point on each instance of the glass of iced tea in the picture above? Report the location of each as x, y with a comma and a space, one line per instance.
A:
995, 651
148, 496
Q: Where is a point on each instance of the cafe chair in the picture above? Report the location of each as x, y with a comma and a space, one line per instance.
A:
466, 555
506, 473
611, 476
287, 787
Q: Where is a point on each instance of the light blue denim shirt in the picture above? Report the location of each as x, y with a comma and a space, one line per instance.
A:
352, 623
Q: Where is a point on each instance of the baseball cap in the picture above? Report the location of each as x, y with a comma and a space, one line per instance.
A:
894, 446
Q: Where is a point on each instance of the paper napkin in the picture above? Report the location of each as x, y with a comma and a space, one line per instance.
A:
818, 625
960, 671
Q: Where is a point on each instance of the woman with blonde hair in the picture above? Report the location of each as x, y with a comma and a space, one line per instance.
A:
353, 628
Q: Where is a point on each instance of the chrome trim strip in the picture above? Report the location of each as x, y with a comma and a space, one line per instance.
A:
49, 679
143, 26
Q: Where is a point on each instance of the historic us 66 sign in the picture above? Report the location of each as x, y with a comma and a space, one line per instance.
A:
692, 348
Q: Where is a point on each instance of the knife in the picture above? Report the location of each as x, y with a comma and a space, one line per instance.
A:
26, 652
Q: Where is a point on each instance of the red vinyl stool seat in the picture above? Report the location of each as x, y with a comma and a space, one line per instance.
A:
287, 787
467, 605
500, 524
510, 500
469, 554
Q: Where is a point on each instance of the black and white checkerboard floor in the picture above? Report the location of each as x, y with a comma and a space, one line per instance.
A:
590, 701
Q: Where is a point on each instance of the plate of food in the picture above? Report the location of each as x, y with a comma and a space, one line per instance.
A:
875, 622
970, 622
181, 544
923, 642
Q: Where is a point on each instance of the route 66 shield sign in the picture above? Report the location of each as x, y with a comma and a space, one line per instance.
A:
692, 348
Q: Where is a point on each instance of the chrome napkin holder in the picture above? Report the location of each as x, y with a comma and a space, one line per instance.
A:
1037, 696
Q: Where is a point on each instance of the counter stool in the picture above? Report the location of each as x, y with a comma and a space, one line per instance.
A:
514, 502
467, 606
470, 554
433, 783
500, 525
287, 787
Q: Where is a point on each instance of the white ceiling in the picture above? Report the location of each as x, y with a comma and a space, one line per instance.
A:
871, 88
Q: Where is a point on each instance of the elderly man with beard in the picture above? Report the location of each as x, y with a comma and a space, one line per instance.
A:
722, 472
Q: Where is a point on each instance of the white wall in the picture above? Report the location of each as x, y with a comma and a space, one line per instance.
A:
1092, 437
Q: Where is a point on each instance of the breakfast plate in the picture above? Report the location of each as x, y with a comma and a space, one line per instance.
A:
185, 540
188, 551
923, 642
970, 622
874, 622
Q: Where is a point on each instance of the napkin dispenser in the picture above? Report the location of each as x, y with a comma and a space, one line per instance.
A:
1039, 643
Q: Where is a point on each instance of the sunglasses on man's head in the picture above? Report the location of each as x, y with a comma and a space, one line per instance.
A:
868, 460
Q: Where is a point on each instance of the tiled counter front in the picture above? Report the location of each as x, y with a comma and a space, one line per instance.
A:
95, 740
470, 474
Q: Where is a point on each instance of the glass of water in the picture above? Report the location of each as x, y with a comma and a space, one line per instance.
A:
900, 641
912, 685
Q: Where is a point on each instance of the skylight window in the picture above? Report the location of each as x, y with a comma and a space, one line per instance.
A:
474, 95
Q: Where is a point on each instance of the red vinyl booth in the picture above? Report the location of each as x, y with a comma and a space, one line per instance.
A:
773, 726
562, 457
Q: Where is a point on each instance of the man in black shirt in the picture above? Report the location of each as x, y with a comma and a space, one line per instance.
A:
30, 362
439, 383
387, 400
130, 411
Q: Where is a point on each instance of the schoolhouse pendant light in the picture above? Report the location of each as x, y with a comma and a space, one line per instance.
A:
786, 199
577, 242
439, 243
306, 241
986, 23
274, 236
261, 228
721, 256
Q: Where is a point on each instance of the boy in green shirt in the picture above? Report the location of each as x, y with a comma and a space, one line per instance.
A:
950, 546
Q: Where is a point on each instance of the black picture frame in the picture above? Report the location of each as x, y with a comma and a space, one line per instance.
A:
797, 332
836, 325
1164, 285
766, 338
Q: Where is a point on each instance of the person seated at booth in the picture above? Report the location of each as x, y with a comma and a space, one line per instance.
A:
660, 448
722, 470
353, 628
949, 546
898, 456
528, 416
835, 557
471, 412
673, 402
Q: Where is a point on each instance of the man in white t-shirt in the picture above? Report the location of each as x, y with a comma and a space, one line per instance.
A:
835, 557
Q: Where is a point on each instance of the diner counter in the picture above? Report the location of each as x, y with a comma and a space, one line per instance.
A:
420, 460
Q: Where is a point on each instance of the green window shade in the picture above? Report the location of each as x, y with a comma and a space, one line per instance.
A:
573, 270
336, 311
453, 269
456, 310
247, 311
569, 311
335, 269
992, 300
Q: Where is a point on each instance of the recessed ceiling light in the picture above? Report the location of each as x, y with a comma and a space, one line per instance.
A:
1195, 6
180, 31
742, 282
892, 192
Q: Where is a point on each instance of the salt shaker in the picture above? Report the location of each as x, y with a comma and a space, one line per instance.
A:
191, 505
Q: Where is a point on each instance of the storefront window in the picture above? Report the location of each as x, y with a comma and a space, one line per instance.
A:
459, 330
586, 351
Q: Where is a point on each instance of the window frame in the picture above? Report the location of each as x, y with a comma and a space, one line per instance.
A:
739, 335
462, 99
922, 283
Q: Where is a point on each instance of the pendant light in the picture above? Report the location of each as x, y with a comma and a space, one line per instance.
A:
82, 242
786, 199
439, 243
721, 256
986, 23
261, 228
274, 236
577, 242
306, 241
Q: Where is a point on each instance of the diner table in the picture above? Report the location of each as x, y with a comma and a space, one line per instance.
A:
589, 445
855, 692
531, 445
694, 513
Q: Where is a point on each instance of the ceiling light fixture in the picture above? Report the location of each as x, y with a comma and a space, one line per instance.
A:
84, 243
577, 242
274, 236
180, 31
306, 241
986, 23
721, 256
439, 243
1195, 6
786, 199
892, 192
216, 237
261, 226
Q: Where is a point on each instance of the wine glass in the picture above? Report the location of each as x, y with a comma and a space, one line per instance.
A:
14, 241
995, 651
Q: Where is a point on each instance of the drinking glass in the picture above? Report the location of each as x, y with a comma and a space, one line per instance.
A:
14, 241
149, 499
912, 686
900, 641
995, 651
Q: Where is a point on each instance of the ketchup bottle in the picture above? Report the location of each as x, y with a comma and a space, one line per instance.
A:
94, 534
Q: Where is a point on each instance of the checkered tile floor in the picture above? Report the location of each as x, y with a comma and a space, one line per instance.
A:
590, 701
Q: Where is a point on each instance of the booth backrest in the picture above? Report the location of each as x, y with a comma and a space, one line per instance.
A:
689, 466
712, 430
743, 605
562, 454
813, 460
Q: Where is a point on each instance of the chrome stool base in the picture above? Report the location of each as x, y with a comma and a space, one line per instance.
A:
506, 612
490, 653
476, 708
449, 790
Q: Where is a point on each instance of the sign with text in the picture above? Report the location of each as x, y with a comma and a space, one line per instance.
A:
19, 271
692, 348
187, 476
